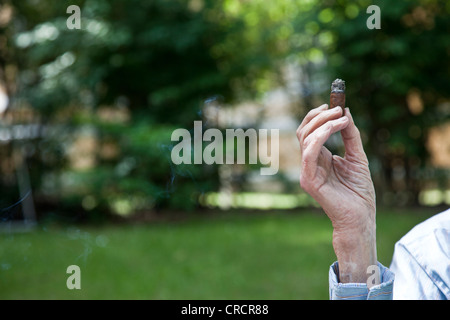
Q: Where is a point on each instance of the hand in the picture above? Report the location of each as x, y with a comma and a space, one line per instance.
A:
342, 186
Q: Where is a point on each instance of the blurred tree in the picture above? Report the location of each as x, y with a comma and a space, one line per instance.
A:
111, 93
133, 73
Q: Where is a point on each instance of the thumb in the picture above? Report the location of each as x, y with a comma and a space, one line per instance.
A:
352, 139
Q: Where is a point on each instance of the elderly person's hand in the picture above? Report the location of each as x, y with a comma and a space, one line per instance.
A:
343, 188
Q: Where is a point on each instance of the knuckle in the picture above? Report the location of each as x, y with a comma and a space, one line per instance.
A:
304, 182
307, 141
327, 130
301, 136
329, 127
299, 133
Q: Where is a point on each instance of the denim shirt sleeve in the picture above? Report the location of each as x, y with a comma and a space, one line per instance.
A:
360, 291
421, 261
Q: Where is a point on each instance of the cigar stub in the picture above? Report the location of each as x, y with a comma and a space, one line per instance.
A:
337, 95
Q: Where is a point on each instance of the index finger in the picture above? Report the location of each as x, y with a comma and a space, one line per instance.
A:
311, 114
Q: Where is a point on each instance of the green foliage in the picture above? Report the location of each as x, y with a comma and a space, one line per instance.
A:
153, 54
156, 61
150, 60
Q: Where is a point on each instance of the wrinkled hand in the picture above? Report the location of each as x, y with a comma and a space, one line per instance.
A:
342, 186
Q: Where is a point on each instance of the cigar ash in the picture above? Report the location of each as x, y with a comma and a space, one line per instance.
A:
337, 95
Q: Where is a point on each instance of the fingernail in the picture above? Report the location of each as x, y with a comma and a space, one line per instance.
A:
349, 114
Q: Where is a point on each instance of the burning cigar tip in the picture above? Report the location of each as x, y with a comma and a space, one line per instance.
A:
338, 85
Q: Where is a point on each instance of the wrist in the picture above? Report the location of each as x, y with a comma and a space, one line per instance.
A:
355, 251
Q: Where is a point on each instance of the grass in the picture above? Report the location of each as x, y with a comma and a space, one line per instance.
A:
234, 256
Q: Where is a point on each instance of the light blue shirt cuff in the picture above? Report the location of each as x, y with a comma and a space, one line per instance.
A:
360, 291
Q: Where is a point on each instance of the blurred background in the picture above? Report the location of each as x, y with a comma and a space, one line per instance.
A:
86, 117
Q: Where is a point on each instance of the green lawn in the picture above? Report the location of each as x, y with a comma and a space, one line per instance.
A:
247, 256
